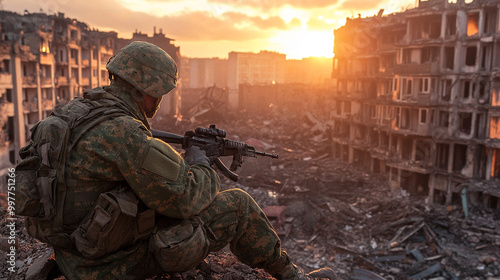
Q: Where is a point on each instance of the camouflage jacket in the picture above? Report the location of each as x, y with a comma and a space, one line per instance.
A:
122, 149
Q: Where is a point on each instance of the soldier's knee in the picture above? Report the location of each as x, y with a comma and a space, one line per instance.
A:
241, 196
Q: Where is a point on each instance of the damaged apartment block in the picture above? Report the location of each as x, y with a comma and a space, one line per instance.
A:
418, 98
47, 60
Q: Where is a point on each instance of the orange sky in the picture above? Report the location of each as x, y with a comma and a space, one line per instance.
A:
213, 28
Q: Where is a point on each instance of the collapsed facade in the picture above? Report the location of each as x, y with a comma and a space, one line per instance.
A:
47, 60
417, 98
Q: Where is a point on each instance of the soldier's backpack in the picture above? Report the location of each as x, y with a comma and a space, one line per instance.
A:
40, 176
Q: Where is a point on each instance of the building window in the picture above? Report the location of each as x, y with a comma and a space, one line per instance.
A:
446, 90
470, 56
495, 164
442, 156
423, 116
465, 122
5, 66
467, 89
12, 157
443, 119
495, 127
459, 157
472, 24
449, 58
451, 25
8, 92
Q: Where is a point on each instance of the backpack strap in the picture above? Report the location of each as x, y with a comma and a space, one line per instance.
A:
85, 114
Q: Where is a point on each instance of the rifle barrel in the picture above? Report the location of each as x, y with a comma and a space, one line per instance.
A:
264, 154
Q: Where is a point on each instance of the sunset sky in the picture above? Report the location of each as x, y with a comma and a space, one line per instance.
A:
213, 28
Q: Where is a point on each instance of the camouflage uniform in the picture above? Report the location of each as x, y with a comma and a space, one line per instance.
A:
119, 149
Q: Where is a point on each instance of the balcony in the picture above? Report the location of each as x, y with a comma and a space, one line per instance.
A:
410, 69
30, 106
5, 78
85, 62
46, 81
4, 138
29, 81
85, 82
47, 104
424, 129
73, 80
46, 58
62, 81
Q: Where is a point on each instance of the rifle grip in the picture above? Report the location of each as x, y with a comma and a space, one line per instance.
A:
228, 173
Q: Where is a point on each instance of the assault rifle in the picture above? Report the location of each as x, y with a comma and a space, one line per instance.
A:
212, 141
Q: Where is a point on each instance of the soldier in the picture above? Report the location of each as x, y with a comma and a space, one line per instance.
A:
132, 206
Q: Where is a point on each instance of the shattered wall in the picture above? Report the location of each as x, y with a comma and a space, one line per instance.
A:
436, 95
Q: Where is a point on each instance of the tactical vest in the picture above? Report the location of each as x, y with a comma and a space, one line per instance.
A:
42, 190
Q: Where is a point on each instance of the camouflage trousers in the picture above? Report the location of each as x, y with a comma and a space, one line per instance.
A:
233, 218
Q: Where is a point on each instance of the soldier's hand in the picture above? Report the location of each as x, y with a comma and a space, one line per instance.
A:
195, 155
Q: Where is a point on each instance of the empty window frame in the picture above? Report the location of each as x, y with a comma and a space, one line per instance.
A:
451, 25
422, 150
495, 164
406, 148
467, 90
444, 119
422, 119
489, 20
486, 57
449, 58
483, 90
446, 90
429, 54
465, 122
396, 88
495, 95
470, 56
442, 151
405, 118
472, 23
495, 127
426, 28
459, 157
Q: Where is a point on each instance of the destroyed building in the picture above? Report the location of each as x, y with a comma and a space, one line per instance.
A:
47, 60
417, 98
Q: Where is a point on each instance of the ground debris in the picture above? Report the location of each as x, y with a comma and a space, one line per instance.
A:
340, 215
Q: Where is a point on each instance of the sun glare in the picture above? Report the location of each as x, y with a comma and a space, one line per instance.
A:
300, 43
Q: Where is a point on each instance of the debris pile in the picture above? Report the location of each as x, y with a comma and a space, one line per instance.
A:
332, 213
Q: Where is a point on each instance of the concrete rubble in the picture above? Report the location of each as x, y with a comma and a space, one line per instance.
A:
338, 214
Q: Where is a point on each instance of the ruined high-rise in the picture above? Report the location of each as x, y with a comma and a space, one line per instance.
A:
417, 98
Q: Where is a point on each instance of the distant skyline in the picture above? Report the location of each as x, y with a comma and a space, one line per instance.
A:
213, 28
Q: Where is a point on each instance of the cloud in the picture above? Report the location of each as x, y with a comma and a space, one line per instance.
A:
262, 23
186, 25
271, 4
319, 24
360, 5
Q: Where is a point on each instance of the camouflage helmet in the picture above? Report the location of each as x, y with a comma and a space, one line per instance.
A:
145, 66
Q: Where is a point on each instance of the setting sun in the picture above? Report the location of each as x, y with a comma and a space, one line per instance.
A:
300, 43
214, 28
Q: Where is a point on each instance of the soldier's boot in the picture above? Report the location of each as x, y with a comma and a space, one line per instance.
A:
284, 269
